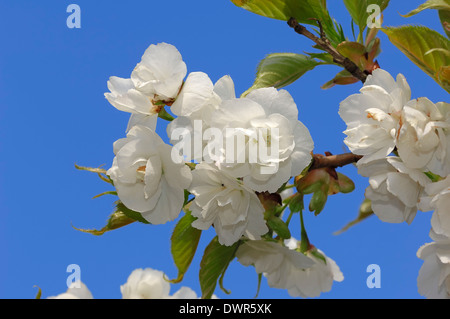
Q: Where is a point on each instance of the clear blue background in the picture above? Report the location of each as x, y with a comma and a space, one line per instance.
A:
53, 114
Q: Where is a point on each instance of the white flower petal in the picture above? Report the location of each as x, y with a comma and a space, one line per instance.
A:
160, 72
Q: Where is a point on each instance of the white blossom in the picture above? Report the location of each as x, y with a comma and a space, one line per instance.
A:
316, 279
424, 138
373, 115
198, 99
265, 117
76, 290
437, 198
223, 201
125, 97
160, 73
149, 283
394, 189
155, 81
147, 178
145, 284
434, 276
142, 120
303, 275
184, 293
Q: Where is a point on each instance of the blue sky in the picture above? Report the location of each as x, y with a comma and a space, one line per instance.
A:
53, 114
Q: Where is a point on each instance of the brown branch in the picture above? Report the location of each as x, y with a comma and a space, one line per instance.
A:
325, 44
333, 161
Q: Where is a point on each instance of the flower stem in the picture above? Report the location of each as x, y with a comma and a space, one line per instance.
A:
288, 220
304, 243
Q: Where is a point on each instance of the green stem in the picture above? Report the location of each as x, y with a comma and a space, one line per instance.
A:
165, 116
288, 220
304, 243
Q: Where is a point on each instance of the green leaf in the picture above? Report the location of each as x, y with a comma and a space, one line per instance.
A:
296, 204
444, 16
184, 242
39, 293
117, 220
443, 7
318, 201
215, 261
281, 69
305, 11
279, 226
430, 4
130, 213
425, 47
358, 10
324, 56
122, 216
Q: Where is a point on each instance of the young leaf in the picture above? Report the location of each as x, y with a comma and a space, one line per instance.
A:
184, 240
117, 220
302, 10
355, 51
346, 185
91, 169
100, 171
430, 4
342, 78
324, 56
318, 201
358, 9
215, 261
281, 69
296, 204
425, 47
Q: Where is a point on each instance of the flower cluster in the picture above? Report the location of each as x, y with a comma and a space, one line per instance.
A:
405, 149
225, 151
145, 283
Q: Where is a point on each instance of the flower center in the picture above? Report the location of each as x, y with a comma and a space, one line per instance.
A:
140, 173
